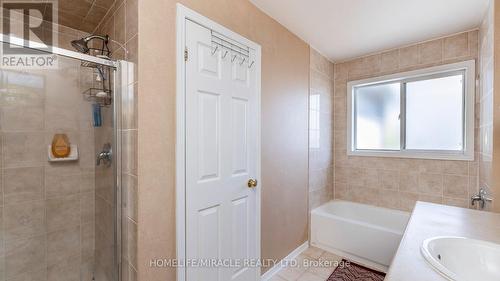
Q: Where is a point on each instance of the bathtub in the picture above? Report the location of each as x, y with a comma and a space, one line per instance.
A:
362, 233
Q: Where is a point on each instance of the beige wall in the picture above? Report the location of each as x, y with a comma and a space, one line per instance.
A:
285, 82
393, 182
320, 130
485, 97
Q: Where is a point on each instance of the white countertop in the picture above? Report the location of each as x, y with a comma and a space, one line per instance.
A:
430, 220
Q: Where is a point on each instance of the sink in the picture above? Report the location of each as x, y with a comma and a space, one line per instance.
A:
463, 259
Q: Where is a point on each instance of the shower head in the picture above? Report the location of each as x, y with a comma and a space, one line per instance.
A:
82, 45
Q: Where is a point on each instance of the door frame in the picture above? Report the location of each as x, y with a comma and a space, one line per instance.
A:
183, 14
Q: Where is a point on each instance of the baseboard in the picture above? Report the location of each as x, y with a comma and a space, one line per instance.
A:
359, 260
278, 266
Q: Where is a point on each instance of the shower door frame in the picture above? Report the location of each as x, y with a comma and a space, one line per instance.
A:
57, 51
122, 70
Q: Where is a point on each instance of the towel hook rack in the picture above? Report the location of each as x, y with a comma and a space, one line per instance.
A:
215, 50
237, 49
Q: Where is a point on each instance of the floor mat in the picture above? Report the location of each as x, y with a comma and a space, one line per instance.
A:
349, 271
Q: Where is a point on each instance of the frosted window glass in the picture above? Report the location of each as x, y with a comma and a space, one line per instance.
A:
314, 121
434, 114
377, 117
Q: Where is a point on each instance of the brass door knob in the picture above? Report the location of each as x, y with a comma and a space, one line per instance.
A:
252, 183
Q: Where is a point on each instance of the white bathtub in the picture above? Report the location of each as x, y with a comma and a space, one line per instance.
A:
362, 233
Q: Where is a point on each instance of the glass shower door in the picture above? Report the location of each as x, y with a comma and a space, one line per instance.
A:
58, 215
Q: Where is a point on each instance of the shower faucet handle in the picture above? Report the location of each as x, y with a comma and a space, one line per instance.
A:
482, 197
105, 155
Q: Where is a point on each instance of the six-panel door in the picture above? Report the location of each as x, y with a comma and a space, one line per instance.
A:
221, 147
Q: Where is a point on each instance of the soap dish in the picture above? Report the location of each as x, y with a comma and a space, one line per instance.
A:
73, 155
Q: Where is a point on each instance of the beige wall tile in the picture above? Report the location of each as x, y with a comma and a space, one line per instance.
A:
456, 46
87, 207
431, 52
63, 244
119, 22
341, 191
430, 183
130, 190
388, 179
341, 174
63, 212
22, 118
462, 203
341, 72
131, 24
456, 167
408, 56
389, 199
129, 273
57, 185
474, 43
24, 220
129, 147
43, 199
25, 256
430, 198
456, 186
389, 61
23, 149
473, 185
88, 241
129, 107
408, 179
23, 184
321, 182
67, 270
130, 242
104, 216
408, 200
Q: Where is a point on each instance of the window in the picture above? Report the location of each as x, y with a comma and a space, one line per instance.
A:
314, 121
427, 113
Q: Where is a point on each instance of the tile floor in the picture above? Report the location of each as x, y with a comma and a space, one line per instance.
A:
311, 273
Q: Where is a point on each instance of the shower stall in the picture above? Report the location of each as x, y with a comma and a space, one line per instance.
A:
61, 217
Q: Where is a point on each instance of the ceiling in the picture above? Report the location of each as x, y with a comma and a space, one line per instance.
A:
344, 29
84, 15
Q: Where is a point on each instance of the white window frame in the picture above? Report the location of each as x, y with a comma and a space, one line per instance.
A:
469, 70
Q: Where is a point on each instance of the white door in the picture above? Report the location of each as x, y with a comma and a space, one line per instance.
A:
221, 157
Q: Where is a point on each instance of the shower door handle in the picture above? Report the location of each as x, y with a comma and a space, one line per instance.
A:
105, 155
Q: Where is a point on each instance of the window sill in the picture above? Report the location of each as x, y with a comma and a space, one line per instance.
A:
440, 155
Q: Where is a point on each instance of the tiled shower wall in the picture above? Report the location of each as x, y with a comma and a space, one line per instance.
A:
121, 25
47, 211
485, 97
47, 208
320, 130
393, 182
